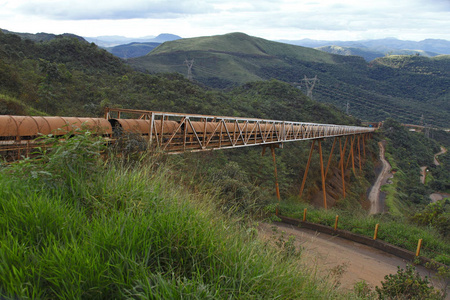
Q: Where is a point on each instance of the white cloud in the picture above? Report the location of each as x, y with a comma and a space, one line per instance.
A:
271, 19
114, 9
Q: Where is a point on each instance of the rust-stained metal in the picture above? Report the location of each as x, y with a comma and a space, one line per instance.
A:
175, 132
330, 157
178, 132
323, 175
277, 187
341, 162
18, 133
26, 127
359, 152
306, 169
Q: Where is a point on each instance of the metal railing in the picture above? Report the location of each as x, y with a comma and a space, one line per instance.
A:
175, 132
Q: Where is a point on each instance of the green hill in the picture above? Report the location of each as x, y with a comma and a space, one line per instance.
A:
374, 91
132, 49
65, 76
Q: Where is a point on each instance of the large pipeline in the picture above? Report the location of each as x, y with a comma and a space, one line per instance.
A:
18, 133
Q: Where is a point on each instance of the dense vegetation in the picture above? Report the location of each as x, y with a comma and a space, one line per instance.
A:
410, 216
67, 232
65, 76
409, 152
68, 76
406, 87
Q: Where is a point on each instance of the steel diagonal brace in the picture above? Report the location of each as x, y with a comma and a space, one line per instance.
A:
213, 133
195, 133
175, 132
240, 135
228, 132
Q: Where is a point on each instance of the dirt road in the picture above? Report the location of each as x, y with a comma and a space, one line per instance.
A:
345, 261
423, 174
374, 195
443, 150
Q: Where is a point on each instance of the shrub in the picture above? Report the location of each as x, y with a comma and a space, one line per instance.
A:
406, 284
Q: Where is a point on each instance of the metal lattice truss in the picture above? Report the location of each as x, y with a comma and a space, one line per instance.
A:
174, 132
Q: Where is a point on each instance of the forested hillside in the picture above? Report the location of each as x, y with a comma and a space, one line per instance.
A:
406, 87
79, 221
69, 77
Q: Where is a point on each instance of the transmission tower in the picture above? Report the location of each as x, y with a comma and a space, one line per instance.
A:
427, 130
189, 64
310, 83
347, 107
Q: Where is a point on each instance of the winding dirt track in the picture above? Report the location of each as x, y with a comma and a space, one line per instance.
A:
374, 195
331, 256
436, 161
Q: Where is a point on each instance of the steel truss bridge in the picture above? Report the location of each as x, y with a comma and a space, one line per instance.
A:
178, 133
175, 132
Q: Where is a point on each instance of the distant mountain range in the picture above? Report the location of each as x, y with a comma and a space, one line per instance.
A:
125, 48
368, 54
115, 40
132, 49
380, 45
371, 49
368, 49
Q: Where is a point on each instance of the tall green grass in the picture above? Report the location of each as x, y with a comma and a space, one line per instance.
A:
73, 226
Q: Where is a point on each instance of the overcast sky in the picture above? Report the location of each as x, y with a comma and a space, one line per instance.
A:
269, 19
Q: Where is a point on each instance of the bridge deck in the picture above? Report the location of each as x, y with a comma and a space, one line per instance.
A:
175, 132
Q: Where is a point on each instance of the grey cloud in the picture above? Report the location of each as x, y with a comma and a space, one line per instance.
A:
89, 10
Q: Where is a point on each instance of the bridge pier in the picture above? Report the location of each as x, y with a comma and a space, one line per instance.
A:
307, 168
356, 141
322, 173
277, 187
341, 162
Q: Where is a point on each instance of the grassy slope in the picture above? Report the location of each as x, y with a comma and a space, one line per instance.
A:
67, 232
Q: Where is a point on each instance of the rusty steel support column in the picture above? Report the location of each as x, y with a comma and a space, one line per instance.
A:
323, 175
307, 168
331, 155
353, 155
350, 151
277, 187
359, 152
341, 163
364, 144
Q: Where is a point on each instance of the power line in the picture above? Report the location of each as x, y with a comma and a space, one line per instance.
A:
189, 64
310, 83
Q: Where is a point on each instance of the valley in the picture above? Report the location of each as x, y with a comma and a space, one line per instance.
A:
133, 224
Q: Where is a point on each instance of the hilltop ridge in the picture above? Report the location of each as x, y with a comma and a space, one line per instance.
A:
406, 87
